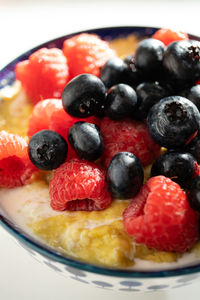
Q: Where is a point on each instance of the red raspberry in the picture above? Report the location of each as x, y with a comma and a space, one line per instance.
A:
86, 53
128, 135
15, 167
168, 36
160, 217
44, 75
79, 185
41, 115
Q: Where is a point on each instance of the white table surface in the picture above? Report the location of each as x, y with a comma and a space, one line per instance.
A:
24, 24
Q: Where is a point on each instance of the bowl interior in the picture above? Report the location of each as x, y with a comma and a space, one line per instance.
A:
7, 77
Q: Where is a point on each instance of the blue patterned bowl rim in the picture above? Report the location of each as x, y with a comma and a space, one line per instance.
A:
7, 77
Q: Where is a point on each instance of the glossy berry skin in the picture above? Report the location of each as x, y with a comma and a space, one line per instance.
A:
83, 96
149, 55
178, 166
47, 150
148, 94
193, 194
87, 140
193, 94
173, 121
133, 76
113, 72
121, 101
125, 175
194, 147
181, 62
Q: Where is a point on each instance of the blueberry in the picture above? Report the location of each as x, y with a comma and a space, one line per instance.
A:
179, 166
132, 75
148, 94
87, 140
193, 94
47, 150
125, 175
83, 96
194, 147
120, 102
113, 72
149, 55
181, 61
193, 194
173, 121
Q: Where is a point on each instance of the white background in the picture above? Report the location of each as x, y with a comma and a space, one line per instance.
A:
23, 25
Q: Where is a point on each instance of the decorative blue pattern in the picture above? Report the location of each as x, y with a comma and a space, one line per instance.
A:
68, 266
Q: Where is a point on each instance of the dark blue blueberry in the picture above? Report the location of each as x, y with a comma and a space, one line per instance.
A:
148, 57
194, 147
125, 175
113, 72
121, 101
193, 94
181, 61
83, 96
193, 194
132, 75
47, 150
148, 94
178, 166
87, 140
173, 121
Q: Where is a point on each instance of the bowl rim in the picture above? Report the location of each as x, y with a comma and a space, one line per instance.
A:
53, 254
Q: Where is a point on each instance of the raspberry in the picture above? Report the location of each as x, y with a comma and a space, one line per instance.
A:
168, 36
15, 166
41, 115
160, 217
128, 136
44, 75
79, 185
86, 53
49, 114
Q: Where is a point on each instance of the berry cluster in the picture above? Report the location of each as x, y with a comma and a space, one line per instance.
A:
113, 119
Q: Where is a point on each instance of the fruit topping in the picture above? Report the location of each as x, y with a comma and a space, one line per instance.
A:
79, 185
47, 150
15, 167
181, 62
42, 113
148, 57
193, 94
44, 75
125, 175
194, 147
149, 93
129, 136
193, 194
173, 121
168, 36
121, 102
86, 53
113, 72
87, 140
160, 217
83, 96
178, 166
